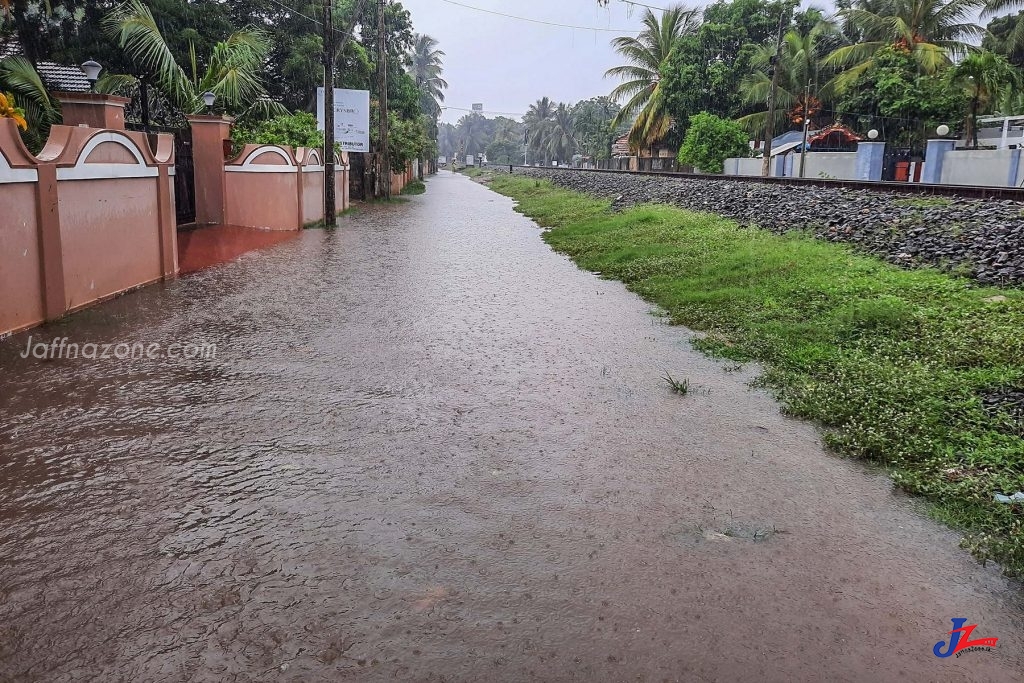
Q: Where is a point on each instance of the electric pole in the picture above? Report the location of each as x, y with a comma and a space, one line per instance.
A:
807, 123
382, 66
330, 210
769, 124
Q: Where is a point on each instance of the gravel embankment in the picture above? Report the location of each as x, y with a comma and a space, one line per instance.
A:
983, 238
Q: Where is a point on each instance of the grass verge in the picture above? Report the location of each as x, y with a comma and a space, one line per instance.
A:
900, 367
414, 187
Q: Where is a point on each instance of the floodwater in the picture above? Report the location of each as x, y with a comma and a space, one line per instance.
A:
430, 449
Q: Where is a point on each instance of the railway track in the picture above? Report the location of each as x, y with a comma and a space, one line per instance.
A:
1015, 194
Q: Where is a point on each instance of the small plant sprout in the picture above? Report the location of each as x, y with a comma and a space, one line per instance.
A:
680, 386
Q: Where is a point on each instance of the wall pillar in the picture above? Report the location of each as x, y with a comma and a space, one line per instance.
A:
870, 156
935, 151
208, 136
51, 253
92, 110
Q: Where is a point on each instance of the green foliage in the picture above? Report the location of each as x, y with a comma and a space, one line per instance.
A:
291, 130
903, 104
500, 152
711, 140
594, 130
414, 187
891, 362
407, 140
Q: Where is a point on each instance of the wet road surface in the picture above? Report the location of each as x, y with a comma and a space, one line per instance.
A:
431, 449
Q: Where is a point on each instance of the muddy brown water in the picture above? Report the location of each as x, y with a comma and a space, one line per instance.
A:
431, 449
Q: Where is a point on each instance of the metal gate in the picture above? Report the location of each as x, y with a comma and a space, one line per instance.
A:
184, 178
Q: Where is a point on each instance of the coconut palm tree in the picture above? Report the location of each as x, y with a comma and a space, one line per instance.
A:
933, 32
986, 77
426, 68
561, 139
471, 134
641, 87
233, 71
802, 76
538, 125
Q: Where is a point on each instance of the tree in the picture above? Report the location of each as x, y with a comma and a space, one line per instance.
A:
929, 31
711, 140
799, 93
561, 141
705, 70
903, 104
471, 133
645, 55
503, 152
426, 69
233, 70
593, 126
984, 76
538, 125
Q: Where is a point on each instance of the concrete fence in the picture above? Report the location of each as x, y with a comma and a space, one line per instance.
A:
90, 217
265, 186
992, 167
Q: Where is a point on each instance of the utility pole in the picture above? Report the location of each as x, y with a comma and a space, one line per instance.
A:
807, 123
769, 124
330, 201
382, 66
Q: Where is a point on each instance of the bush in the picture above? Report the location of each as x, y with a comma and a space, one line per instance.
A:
711, 140
292, 130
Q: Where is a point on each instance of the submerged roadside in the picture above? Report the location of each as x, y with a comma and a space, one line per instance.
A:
915, 370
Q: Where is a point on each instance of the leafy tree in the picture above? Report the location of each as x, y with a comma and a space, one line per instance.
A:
984, 76
705, 69
593, 126
903, 104
711, 140
503, 152
645, 55
929, 31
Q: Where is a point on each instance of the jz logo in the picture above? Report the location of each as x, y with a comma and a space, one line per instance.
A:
960, 641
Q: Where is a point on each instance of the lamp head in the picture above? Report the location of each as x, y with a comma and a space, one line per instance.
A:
872, 134
91, 69
209, 98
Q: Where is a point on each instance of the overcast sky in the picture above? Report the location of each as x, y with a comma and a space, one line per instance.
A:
507, 64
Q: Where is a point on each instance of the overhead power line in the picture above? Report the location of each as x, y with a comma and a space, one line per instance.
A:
485, 111
541, 21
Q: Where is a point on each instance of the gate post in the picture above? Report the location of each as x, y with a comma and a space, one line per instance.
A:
870, 156
209, 134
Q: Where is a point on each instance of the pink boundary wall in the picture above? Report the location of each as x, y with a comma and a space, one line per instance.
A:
266, 186
92, 216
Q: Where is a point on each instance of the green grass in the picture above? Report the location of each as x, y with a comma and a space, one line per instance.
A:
890, 362
414, 187
472, 171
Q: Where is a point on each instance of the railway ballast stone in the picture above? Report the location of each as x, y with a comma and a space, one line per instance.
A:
980, 238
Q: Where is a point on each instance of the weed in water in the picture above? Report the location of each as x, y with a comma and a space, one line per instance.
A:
680, 386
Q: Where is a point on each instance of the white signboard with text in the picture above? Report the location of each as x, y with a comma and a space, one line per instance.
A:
351, 118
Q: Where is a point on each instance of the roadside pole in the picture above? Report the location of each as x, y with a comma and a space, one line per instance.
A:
769, 124
807, 122
330, 201
382, 53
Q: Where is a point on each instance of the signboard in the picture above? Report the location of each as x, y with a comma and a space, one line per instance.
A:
351, 118
442, 160
469, 160
478, 107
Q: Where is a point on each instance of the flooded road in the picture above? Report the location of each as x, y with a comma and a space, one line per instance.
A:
430, 449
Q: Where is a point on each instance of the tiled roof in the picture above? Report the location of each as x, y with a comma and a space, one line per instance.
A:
55, 76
